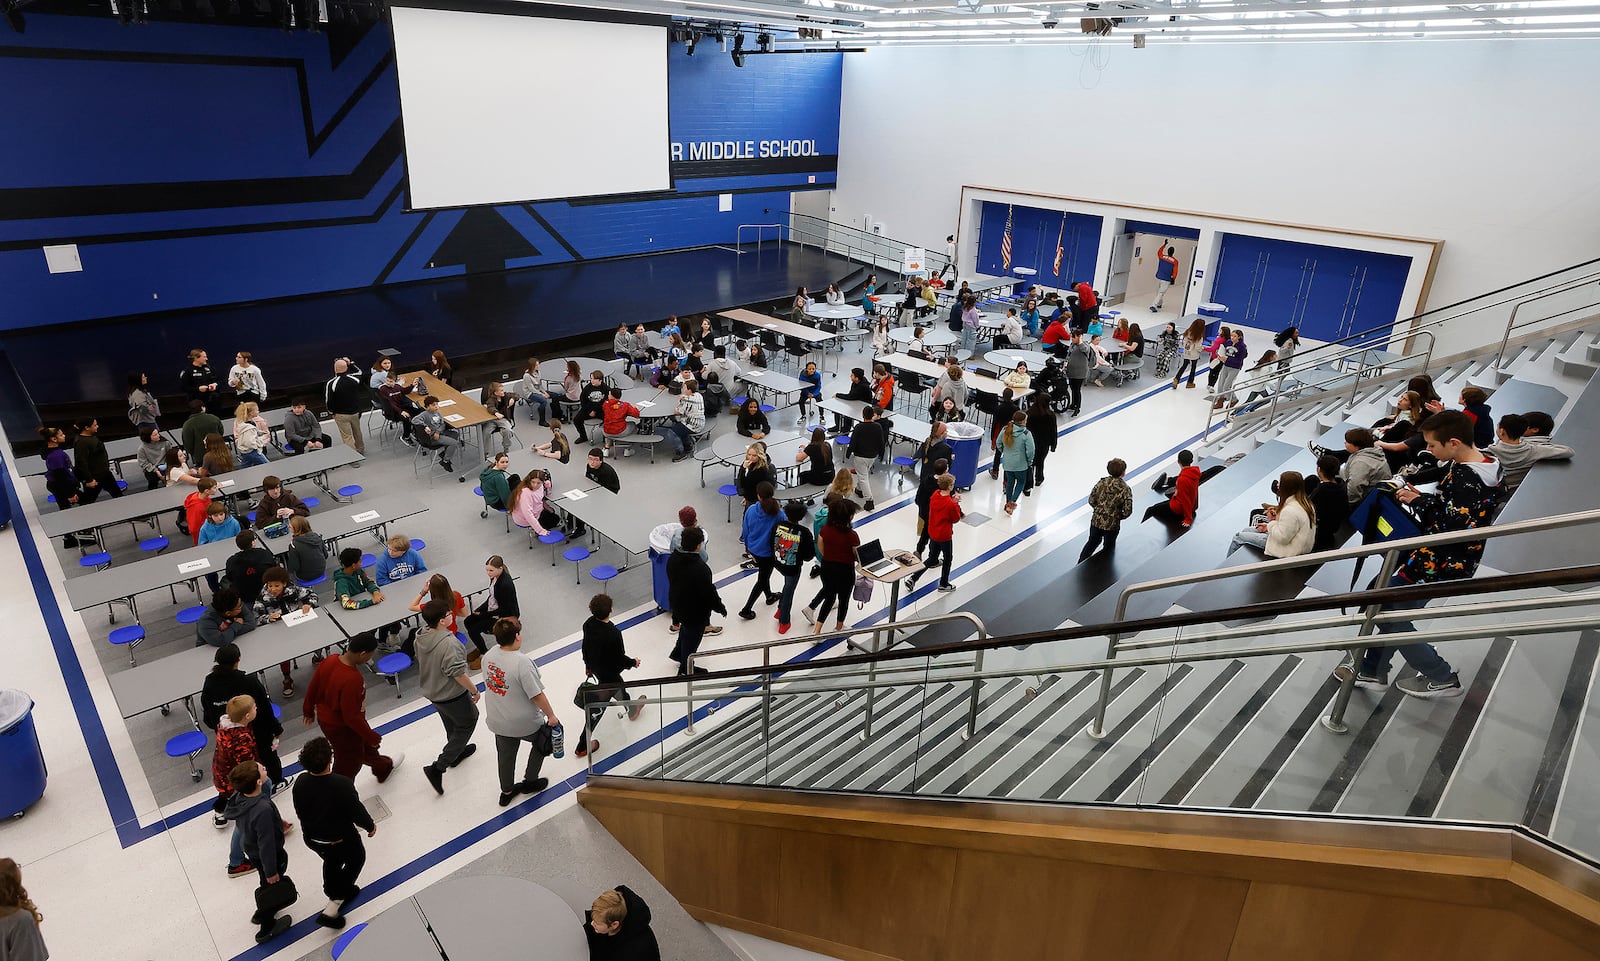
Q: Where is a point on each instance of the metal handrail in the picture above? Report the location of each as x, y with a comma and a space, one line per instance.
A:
877, 630
1361, 374
738, 236
1511, 322
892, 246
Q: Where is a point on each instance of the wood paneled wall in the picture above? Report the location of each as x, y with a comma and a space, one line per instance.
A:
877, 879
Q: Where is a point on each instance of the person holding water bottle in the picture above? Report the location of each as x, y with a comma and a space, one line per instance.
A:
517, 710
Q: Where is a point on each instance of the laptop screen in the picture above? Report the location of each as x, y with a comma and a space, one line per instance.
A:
870, 553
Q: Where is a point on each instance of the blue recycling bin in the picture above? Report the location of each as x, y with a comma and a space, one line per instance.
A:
22, 771
660, 551
1213, 313
966, 447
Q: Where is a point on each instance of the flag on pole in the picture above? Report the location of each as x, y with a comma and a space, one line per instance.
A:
1060, 251
1005, 243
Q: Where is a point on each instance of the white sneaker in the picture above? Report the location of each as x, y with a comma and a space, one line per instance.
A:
809, 614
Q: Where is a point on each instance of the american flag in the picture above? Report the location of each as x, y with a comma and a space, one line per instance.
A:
1005, 242
1060, 251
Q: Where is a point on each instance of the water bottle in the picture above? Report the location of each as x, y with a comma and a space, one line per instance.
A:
558, 741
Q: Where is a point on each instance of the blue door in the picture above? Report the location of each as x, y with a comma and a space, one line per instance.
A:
1328, 292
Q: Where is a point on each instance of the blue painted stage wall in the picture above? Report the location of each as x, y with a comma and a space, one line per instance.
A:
202, 165
1034, 234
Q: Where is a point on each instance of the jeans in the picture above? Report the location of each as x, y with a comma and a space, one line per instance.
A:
689, 637
786, 596
342, 861
505, 749
1016, 480
679, 434
1096, 538
1249, 536
763, 585
939, 553
236, 848
447, 446
460, 718
1422, 657
504, 431
969, 339
541, 404
251, 458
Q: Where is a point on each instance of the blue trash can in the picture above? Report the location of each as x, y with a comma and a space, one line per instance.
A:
22, 771
1213, 313
966, 446
660, 551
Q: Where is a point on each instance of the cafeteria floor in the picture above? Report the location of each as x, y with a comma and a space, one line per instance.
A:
121, 858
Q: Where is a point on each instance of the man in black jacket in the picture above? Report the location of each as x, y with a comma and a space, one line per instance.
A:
692, 595
332, 818
596, 469
346, 397
197, 380
591, 403
225, 682
605, 658
246, 568
867, 443
859, 391
617, 926
1327, 495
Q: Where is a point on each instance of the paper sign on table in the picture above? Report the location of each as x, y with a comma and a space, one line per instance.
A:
225, 482
447, 402
364, 516
454, 417
296, 617
189, 567
645, 403
576, 495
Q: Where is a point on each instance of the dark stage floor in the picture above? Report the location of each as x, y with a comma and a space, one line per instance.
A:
295, 341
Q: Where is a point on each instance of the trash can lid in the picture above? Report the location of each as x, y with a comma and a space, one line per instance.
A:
14, 706
961, 430
661, 537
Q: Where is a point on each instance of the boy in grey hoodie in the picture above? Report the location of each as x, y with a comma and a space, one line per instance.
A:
1366, 466
261, 829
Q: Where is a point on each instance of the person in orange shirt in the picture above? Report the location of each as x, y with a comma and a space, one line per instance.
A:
615, 412
196, 505
883, 386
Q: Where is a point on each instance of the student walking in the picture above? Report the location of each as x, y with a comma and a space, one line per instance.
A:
605, 657
222, 685
442, 671
839, 543
1112, 502
1045, 428
1166, 273
759, 520
517, 710
345, 396
336, 699
332, 818
261, 830
793, 546
944, 510
692, 595
1194, 347
1016, 458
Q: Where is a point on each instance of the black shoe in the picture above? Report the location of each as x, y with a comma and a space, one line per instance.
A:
748, 614
335, 921
273, 928
466, 752
449, 468
506, 797
772, 599
435, 777
1027, 492
534, 786
871, 505
685, 455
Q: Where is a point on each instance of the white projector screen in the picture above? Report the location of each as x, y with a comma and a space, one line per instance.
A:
506, 109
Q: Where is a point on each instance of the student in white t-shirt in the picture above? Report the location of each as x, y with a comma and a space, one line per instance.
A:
515, 709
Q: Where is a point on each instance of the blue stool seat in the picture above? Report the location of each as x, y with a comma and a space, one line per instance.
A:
727, 490
552, 538
154, 544
603, 573
252, 516
767, 408
132, 634
390, 666
277, 711
51, 498
188, 745
343, 941
577, 555
842, 440
478, 491
320, 579
97, 559
351, 490
739, 401
190, 615
122, 485
367, 560
904, 461
418, 544
311, 502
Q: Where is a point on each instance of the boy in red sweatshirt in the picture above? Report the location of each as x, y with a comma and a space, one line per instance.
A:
944, 510
1185, 498
195, 507
615, 413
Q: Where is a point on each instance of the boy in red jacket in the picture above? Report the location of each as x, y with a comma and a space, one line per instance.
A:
1185, 499
195, 507
943, 512
616, 412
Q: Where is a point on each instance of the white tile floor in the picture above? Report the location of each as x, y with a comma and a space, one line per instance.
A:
165, 896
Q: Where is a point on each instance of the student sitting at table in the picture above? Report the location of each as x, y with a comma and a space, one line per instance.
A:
880, 335
1121, 330
756, 356
217, 459
720, 364
352, 581
277, 503
929, 302
833, 296
245, 568
394, 397
670, 327
1101, 360
687, 420
496, 482
622, 343
752, 422
591, 403
434, 433
440, 368
307, 557
642, 351
813, 389
250, 435
218, 526
531, 391
952, 384
398, 561
716, 397
616, 420
152, 454
1056, 338
1017, 379
556, 448
278, 597
1030, 317
301, 429
915, 347
857, 393
882, 387
1010, 330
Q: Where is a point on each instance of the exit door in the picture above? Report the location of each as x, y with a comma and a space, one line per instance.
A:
1328, 292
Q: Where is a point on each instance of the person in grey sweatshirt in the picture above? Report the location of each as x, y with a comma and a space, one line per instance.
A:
225, 621
1079, 357
261, 830
152, 456
1517, 450
302, 431
1366, 466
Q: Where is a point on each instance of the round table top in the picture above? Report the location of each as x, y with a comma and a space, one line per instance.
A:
992, 321
834, 311
1024, 271
558, 366
731, 447
453, 909
1113, 346
940, 336
1008, 359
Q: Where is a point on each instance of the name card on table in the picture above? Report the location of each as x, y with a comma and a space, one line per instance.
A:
365, 516
189, 567
225, 482
576, 495
448, 401
645, 403
455, 417
297, 617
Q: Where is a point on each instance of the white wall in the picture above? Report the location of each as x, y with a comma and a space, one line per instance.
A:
1485, 145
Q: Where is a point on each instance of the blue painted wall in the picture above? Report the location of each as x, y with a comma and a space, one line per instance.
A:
1033, 242
199, 165
1330, 291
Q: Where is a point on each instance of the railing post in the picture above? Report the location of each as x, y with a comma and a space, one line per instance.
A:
1355, 384
1097, 729
1341, 698
766, 695
688, 692
972, 704
872, 677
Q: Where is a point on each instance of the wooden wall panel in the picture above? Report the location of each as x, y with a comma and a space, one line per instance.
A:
1008, 905
733, 868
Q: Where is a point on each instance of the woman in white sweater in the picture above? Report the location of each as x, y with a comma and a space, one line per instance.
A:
1288, 530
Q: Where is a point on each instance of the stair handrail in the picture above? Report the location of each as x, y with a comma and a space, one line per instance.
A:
932, 258
1511, 322
1294, 366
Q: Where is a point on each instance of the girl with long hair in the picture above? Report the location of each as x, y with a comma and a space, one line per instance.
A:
438, 589
143, 408
1288, 530
217, 458
818, 458
837, 547
439, 367
759, 520
1016, 457
557, 447
250, 434
19, 917
1194, 346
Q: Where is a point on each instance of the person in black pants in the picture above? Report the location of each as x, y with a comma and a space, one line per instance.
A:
331, 820
1044, 428
692, 595
92, 464
604, 658
501, 602
591, 403
226, 681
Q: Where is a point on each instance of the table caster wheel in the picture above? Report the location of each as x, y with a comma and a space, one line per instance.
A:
165, 710
194, 776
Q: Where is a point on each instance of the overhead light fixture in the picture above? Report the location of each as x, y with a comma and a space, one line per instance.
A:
738, 49
764, 42
12, 9
688, 44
